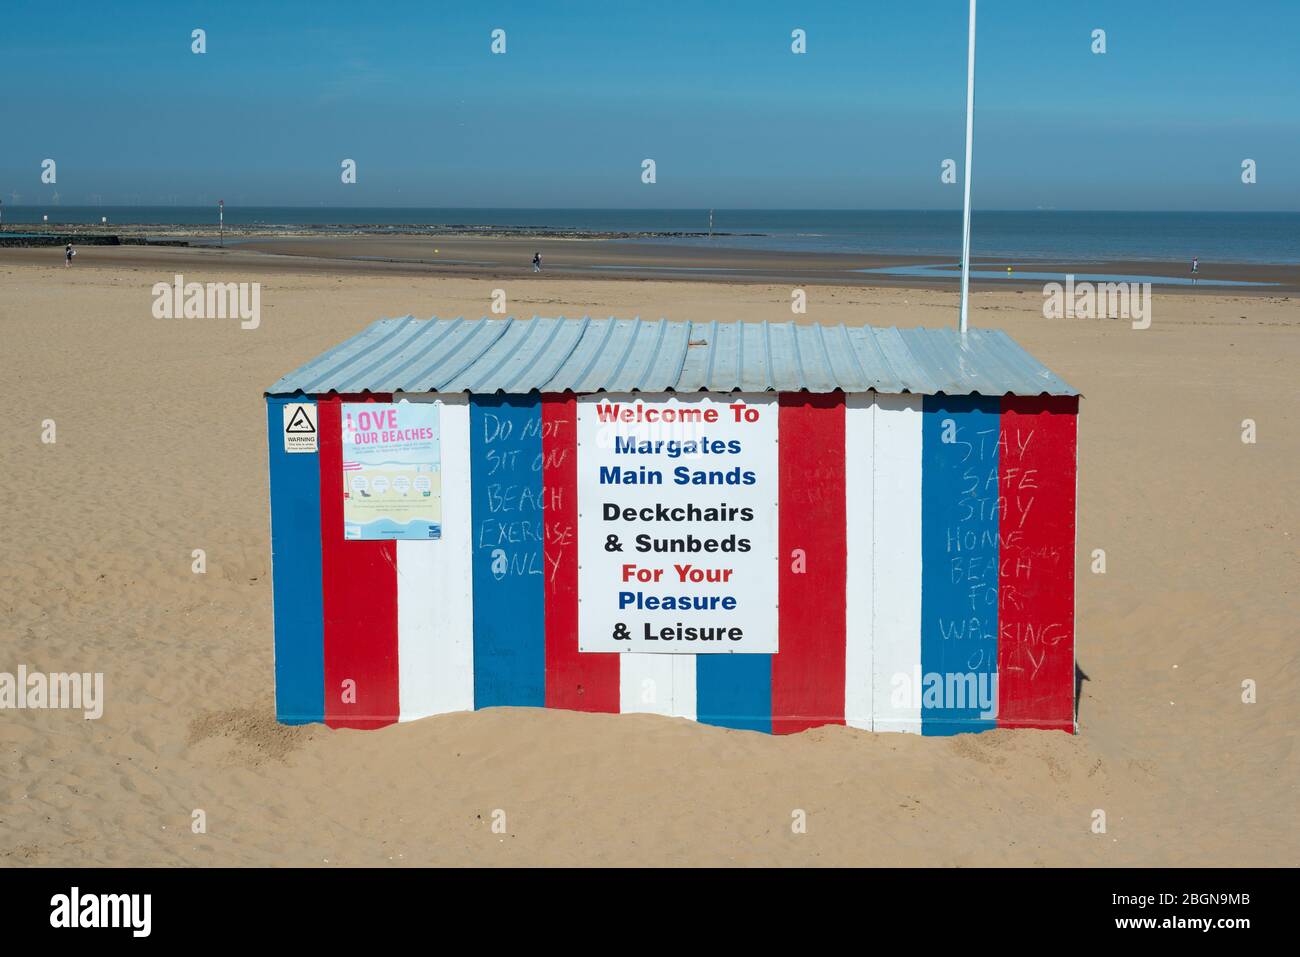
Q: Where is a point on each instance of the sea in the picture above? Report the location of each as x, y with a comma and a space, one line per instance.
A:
1018, 235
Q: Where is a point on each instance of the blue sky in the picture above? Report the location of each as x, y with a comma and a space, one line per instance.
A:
710, 90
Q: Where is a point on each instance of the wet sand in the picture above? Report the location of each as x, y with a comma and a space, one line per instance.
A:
490, 258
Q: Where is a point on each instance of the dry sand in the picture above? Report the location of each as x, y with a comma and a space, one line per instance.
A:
161, 450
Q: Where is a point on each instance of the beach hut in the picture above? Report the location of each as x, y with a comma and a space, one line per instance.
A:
755, 525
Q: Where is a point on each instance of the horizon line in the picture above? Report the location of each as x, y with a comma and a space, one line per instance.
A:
642, 209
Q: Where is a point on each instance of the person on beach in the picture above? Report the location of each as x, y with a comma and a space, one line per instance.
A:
537, 262
1196, 264
68, 253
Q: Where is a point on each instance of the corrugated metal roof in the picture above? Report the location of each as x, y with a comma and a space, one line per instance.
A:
629, 355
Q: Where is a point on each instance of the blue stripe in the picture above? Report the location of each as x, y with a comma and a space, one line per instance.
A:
296, 575
506, 505
734, 691
959, 563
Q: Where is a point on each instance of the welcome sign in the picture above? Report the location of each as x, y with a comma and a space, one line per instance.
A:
677, 524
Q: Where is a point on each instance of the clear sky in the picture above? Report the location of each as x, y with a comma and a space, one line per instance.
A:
711, 91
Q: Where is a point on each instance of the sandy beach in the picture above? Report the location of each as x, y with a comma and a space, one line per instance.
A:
161, 450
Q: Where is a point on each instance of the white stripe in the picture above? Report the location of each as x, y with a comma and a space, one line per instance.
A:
645, 684
896, 625
657, 684
859, 485
683, 685
435, 628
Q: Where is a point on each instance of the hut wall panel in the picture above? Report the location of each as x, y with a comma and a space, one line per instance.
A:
295, 575
959, 563
657, 684
808, 669
859, 520
646, 683
574, 681
435, 623
508, 561
1037, 534
896, 560
734, 691
685, 687
359, 581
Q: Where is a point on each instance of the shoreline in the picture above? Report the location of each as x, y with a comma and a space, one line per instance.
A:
501, 257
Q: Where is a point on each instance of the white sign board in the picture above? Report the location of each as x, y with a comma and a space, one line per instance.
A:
677, 523
300, 427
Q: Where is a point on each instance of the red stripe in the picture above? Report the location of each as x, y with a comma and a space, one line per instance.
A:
808, 670
360, 592
574, 681
1036, 478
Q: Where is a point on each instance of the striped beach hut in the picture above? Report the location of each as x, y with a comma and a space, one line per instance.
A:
754, 525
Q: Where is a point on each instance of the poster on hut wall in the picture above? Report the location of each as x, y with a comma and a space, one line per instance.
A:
392, 471
677, 523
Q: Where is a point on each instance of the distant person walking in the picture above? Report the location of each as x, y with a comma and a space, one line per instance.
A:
68, 253
1196, 264
537, 262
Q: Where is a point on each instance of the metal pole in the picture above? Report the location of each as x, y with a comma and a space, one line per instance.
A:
221, 216
970, 121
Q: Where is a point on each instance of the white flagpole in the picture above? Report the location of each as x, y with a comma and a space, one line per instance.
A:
970, 121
